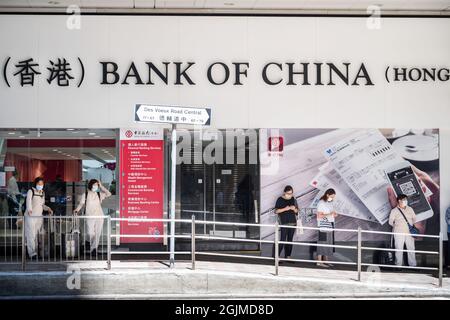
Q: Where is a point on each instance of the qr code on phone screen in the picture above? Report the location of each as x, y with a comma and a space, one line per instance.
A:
408, 188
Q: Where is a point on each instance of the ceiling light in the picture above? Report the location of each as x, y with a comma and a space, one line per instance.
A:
92, 133
11, 133
70, 129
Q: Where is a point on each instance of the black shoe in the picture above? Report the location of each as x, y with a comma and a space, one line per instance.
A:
94, 253
289, 259
34, 257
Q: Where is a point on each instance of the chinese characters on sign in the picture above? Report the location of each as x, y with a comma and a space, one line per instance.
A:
27, 70
61, 72
141, 183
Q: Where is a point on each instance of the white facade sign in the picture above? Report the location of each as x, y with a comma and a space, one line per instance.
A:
255, 72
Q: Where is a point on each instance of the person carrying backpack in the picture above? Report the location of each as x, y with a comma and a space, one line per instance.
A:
35, 205
92, 201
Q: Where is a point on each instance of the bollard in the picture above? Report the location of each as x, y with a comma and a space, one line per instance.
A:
108, 228
24, 250
359, 253
441, 262
193, 242
276, 248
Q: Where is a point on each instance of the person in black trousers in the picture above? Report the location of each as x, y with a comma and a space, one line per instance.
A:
286, 208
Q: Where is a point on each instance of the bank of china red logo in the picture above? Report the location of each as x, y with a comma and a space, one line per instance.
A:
275, 144
128, 133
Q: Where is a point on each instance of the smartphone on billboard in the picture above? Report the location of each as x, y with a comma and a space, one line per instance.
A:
404, 181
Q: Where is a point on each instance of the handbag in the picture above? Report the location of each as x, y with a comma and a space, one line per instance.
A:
412, 228
325, 225
385, 257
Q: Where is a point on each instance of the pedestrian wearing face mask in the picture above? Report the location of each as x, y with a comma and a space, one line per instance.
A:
35, 204
326, 215
400, 217
92, 201
286, 208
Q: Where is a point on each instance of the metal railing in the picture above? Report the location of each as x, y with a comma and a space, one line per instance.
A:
16, 242
53, 239
276, 242
12, 235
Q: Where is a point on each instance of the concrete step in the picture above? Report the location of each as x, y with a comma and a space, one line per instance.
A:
154, 280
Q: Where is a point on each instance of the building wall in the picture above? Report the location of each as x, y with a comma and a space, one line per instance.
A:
399, 42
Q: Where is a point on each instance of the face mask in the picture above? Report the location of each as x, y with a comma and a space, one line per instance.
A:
329, 199
39, 188
95, 188
404, 203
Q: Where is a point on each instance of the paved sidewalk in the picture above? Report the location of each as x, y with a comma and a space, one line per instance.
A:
155, 280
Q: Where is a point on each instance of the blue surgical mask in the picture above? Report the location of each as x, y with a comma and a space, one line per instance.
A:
39, 188
95, 188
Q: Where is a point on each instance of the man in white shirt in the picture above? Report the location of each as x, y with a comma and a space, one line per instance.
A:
14, 196
400, 217
13, 187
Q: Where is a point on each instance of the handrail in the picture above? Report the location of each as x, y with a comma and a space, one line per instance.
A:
398, 250
150, 220
276, 242
193, 236
401, 234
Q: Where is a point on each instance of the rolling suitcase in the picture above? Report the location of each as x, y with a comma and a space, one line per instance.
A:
71, 241
46, 240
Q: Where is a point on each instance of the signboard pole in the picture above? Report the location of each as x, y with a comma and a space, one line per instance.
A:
145, 113
172, 195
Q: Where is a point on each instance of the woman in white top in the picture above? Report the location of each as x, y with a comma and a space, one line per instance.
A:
35, 203
92, 201
325, 221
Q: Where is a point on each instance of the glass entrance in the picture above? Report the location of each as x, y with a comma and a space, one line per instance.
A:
221, 192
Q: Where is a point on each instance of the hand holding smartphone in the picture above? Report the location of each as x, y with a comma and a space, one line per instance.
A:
404, 181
